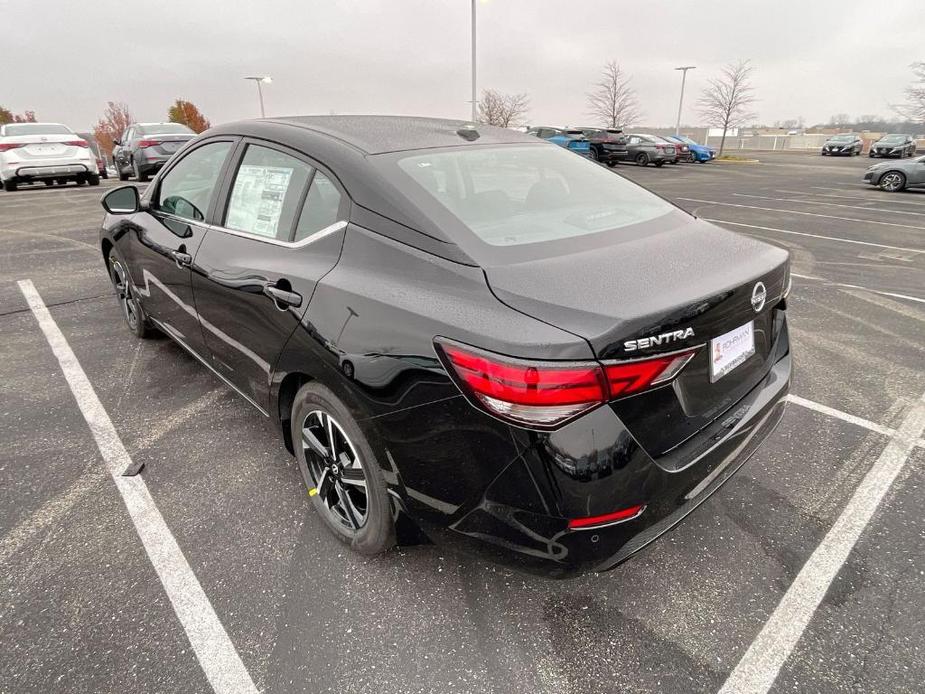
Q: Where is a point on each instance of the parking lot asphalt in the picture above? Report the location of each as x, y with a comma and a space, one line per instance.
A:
82, 609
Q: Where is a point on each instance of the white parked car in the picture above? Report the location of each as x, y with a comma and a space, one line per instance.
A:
46, 152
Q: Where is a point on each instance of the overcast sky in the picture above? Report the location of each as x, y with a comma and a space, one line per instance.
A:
813, 58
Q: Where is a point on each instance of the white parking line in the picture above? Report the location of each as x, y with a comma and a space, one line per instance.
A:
761, 664
895, 200
815, 236
844, 416
830, 204
857, 286
216, 653
805, 214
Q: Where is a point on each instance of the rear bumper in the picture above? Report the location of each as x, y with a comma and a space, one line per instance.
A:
150, 163
25, 170
516, 512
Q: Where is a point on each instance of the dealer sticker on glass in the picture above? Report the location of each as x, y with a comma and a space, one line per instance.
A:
731, 349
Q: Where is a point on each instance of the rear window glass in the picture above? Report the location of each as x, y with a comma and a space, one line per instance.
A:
165, 129
17, 129
515, 195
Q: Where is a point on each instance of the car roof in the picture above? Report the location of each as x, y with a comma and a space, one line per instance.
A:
380, 134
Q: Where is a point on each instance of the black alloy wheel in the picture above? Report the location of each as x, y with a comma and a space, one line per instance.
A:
139, 176
132, 312
592, 155
341, 472
642, 159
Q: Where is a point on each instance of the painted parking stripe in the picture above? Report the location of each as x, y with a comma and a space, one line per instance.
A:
815, 236
805, 214
830, 204
759, 667
894, 295
213, 647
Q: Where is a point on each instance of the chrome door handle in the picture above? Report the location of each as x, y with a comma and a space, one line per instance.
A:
182, 259
282, 296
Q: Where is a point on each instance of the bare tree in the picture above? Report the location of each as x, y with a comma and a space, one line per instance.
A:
613, 102
839, 120
726, 102
914, 108
503, 110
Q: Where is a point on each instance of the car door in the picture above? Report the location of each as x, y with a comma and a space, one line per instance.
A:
915, 171
124, 146
160, 243
279, 229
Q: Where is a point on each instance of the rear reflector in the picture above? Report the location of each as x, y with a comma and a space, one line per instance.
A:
607, 519
546, 394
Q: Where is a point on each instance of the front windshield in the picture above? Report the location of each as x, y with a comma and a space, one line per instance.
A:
520, 194
889, 139
15, 129
842, 138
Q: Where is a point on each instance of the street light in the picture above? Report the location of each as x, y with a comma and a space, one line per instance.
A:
683, 69
265, 79
474, 100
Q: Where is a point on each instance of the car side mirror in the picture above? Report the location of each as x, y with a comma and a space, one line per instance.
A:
117, 142
122, 200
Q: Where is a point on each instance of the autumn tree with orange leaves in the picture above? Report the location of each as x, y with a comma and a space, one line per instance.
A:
116, 118
187, 113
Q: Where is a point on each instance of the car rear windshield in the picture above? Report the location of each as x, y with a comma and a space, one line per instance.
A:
19, 129
514, 195
165, 129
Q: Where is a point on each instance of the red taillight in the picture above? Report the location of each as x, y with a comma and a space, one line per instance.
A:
7, 146
148, 143
606, 519
77, 143
629, 377
545, 394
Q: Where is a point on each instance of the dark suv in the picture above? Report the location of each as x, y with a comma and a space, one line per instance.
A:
608, 145
145, 147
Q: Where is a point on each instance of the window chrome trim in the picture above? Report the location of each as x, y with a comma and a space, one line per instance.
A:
320, 234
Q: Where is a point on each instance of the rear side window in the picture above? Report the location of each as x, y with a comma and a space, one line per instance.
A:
187, 189
19, 129
268, 187
322, 205
514, 195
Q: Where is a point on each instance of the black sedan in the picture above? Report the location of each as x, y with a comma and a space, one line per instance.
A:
462, 330
847, 144
900, 146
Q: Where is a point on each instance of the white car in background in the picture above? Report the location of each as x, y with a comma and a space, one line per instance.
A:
46, 152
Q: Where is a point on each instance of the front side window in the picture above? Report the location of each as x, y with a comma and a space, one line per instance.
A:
514, 195
267, 190
187, 189
322, 205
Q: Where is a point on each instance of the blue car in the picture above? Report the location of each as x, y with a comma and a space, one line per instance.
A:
698, 153
573, 140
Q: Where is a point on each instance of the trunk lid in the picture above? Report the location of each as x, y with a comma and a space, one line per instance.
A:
686, 274
168, 144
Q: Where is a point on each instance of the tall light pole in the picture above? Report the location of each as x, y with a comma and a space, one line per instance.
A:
683, 69
474, 99
264, 79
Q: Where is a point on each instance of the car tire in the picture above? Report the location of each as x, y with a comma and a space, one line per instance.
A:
316, 412
122, 175
642, 159
140, 177
592, 155
892, 181
49, 183
659, 164
611, 164
132, 311
9, 186
93, 180
104, 174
